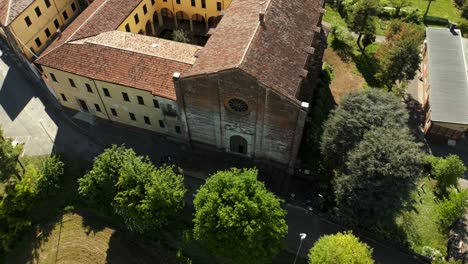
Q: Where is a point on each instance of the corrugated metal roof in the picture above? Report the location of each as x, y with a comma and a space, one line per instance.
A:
448, 93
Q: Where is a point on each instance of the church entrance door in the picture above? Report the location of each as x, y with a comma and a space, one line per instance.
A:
238, 144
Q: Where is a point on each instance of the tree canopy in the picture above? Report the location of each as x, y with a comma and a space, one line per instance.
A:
340, 248
143, 195
380, 174
8, 158
358, 113
238, 218
446, 171
452, 208
363, 18
399, 57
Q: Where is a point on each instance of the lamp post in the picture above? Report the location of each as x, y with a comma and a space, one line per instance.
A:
302, 236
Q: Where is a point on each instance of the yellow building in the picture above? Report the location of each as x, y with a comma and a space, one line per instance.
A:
34, 23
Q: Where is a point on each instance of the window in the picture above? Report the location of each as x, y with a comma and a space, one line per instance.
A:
140, 100
132, 116
127, 28
136, 19
38, 11
47, 3
193, 2
73, 6
114, 113
72, 83
88, 87
63, 97
155, 103
98, 108
177, 130
38, 42
147, 120
203, 3
106, 92
152, 2
56, 24
238, 105
161, 123
218, 6
47, 32
125, 97
178, 2
145, 10
65, 15
52, 76
27, 20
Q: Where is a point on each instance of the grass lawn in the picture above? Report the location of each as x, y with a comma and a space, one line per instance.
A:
82, 238
420, 224
438, 8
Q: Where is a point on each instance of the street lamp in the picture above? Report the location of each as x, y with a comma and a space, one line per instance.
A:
302, 236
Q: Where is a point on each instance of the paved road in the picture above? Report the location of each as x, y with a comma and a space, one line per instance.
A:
26, 114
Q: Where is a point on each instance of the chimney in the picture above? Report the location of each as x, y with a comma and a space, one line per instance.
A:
261, 16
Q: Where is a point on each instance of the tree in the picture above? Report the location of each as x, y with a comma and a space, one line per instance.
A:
51, 172
358, 113
8, 158
362, 18
236, 217
180, 35
399, 4
380, 174
147, 196
399, 57
446, 171
340, 248
452, 208
98, 185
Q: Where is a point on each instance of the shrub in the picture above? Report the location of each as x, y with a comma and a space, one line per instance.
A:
446, 171
342, 42
340, 248
452, 208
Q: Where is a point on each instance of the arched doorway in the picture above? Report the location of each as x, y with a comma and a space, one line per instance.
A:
212, 22
238, 144
148, 29
183, 20
199, 24
167, 16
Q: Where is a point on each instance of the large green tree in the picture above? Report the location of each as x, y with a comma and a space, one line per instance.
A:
363, 18
358, 113
340, 248
399, 57
238, 218
98, 185
8, 158
399, 4
380, 174
446, 171
147, 197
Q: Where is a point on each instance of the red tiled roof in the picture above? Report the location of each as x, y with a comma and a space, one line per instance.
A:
10, 9
275, 53
117, 66
100, 62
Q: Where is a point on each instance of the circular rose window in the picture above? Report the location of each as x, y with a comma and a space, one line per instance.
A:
238, 105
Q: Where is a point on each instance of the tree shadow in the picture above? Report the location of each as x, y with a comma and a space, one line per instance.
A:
368, 66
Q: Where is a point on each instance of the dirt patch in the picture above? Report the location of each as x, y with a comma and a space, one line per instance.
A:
345, 80
80, 238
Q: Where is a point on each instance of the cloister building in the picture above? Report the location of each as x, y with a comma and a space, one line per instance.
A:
243, 84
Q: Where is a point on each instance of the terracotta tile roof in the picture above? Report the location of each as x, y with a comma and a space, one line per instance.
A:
275, 53
10, 9
83, 50
123, 67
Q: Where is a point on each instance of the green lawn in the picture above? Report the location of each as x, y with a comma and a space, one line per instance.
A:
438, 8
420, 224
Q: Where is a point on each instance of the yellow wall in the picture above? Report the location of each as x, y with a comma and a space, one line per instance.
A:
185, 5
115, 101
26, 35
